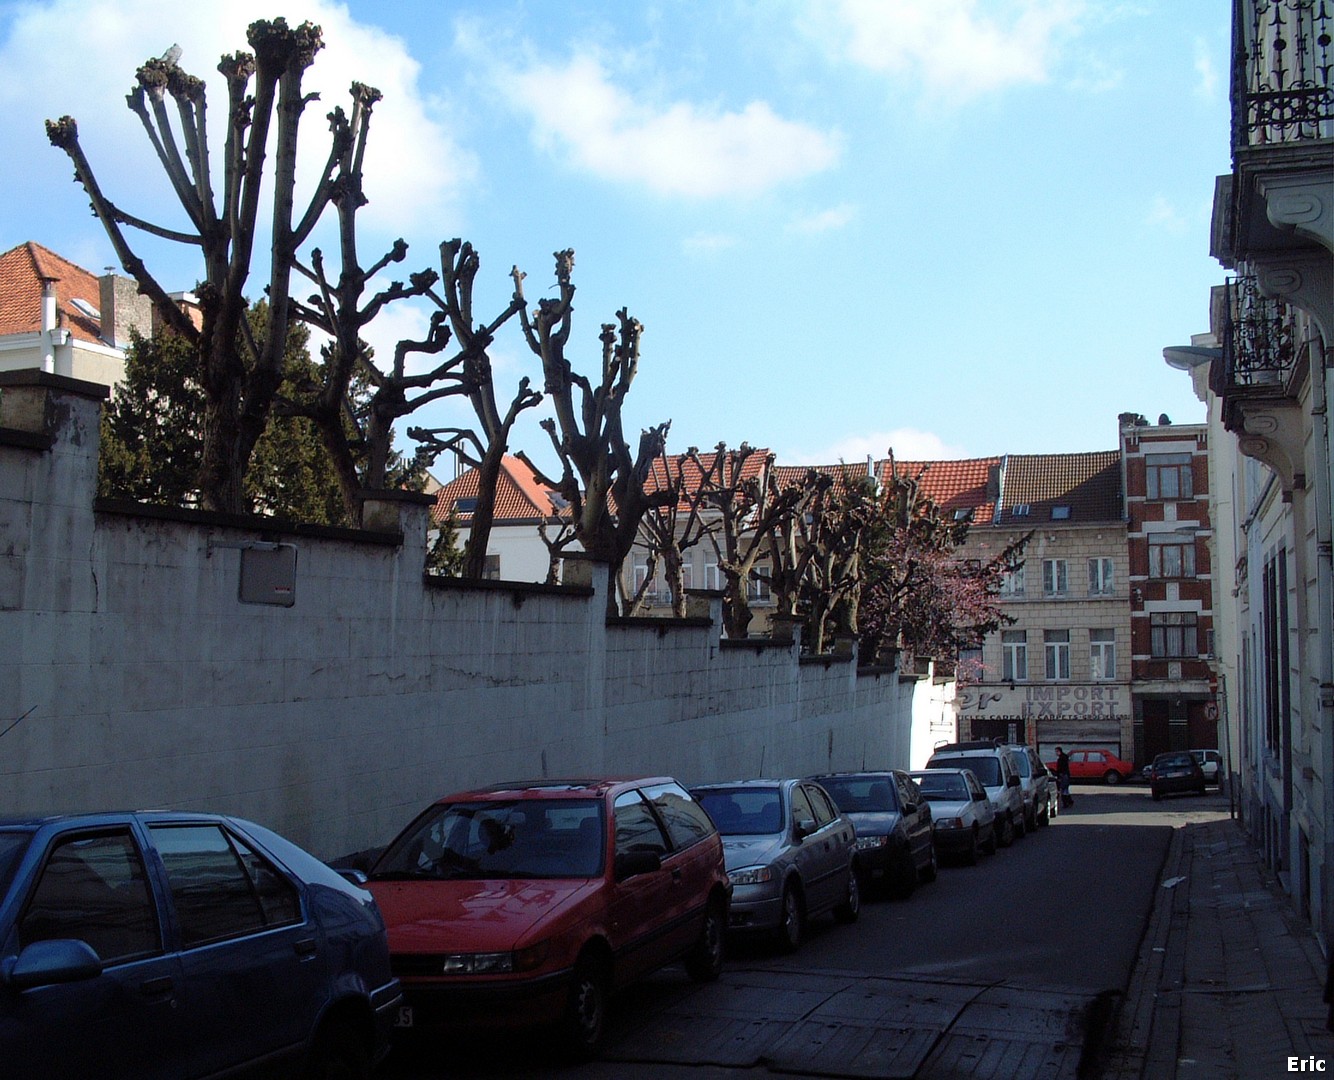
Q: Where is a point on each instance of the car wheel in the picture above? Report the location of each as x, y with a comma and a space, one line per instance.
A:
338, 1054
930, 870
1044, 813
1006, 837
989, 844
1021, 826
848, 911
704, 961
1112, 777
792, 925
585, 1019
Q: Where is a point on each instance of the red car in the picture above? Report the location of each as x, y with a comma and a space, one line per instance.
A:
1097, 765
529, 903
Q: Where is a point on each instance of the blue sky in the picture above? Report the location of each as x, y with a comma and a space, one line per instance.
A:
950, 228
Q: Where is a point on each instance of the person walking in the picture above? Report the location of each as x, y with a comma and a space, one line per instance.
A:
1063, 778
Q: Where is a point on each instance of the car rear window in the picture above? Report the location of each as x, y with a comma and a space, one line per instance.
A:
1173, 761
944, 786
12, 847
987, 769
861, 794
744, 811
520, 838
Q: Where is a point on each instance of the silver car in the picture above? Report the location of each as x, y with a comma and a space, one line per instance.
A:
790, 855
964, 819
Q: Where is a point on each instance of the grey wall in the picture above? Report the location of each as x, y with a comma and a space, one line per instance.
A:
132, 675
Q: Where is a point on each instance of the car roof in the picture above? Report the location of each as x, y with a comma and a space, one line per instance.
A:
879, 773
754, 783
106, 817
565, 788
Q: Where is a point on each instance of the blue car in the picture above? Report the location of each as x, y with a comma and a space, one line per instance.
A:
144, 945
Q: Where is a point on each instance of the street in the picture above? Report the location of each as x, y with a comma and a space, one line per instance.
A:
997, 969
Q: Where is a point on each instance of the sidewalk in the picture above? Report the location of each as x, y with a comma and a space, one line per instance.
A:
1229, 981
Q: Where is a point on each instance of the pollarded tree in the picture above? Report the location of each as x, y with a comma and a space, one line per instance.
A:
240, 375
601, 480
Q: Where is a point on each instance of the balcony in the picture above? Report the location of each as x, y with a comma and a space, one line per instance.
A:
1282, 56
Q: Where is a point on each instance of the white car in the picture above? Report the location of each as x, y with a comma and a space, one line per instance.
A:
1211, 761
963, 818
996, 768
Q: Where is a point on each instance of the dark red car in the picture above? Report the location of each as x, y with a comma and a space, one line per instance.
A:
529, 903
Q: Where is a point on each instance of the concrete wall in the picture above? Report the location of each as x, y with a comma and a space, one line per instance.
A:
131, 674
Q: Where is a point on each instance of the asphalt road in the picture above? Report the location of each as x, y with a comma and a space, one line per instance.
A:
1035, 933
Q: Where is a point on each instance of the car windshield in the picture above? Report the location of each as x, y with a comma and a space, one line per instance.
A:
523, 838
943, 787
1025, 766
986, 769
12, 847
754, 811
861, 794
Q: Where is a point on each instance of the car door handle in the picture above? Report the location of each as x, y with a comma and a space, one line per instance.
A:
156, 987
676, 873
304, 946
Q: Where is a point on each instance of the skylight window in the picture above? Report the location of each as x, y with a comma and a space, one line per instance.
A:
465, 506
1019, 510
1060, 513
84, 308
963, 513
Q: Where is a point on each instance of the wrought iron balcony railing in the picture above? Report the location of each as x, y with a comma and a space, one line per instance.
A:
1282, 56
1259, 340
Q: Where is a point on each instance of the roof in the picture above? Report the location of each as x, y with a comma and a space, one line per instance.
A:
22, 271
665, 469
520, 495
969, 484
1089, 484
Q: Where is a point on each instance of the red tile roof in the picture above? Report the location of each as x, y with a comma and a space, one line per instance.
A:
1089, 484
666, 469
22, 271
970, 484
520, 496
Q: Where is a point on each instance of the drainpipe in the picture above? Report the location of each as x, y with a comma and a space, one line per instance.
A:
48, 341
1324, 626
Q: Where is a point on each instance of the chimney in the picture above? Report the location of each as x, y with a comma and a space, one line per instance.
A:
123, 310
48, 324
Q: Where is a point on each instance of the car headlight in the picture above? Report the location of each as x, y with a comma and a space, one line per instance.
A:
868, 843
949, 823
751, 875
494, 963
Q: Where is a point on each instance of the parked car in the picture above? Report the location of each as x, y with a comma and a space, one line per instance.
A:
893, 821
1176, 771
962, 815
1038, 786
791, 855
1097, 764
168, 945
998, 771
1211, 763
529, 903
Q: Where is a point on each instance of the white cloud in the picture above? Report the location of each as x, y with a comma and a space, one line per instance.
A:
707, 243
836, 217
956, 50
413, 169
907, 444
580, 114
1206, 70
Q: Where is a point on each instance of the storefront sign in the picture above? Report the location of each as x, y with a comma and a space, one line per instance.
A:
1106, 702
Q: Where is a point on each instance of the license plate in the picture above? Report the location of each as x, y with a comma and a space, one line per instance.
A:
404, 1017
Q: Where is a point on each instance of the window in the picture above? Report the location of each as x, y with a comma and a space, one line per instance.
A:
636, 827
757, 589
1014, 655
1056, 646
1168, 476
1171, 555
824, 812
220, 887
1101, 577
1102, 654
1019, 510
94, 888
465, 506
641, 574
1173, 633
687, 575
491, 571
971, 666
963, 513
713, 577
1054, 578
802, 810
1012, 584
1060, 513
685, 819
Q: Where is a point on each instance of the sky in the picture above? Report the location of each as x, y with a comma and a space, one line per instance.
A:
941, 228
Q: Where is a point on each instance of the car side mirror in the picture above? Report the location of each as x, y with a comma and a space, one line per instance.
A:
803, 827
351, 873
1012, 782
58, 960
910, 808
633, 863
980, 796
